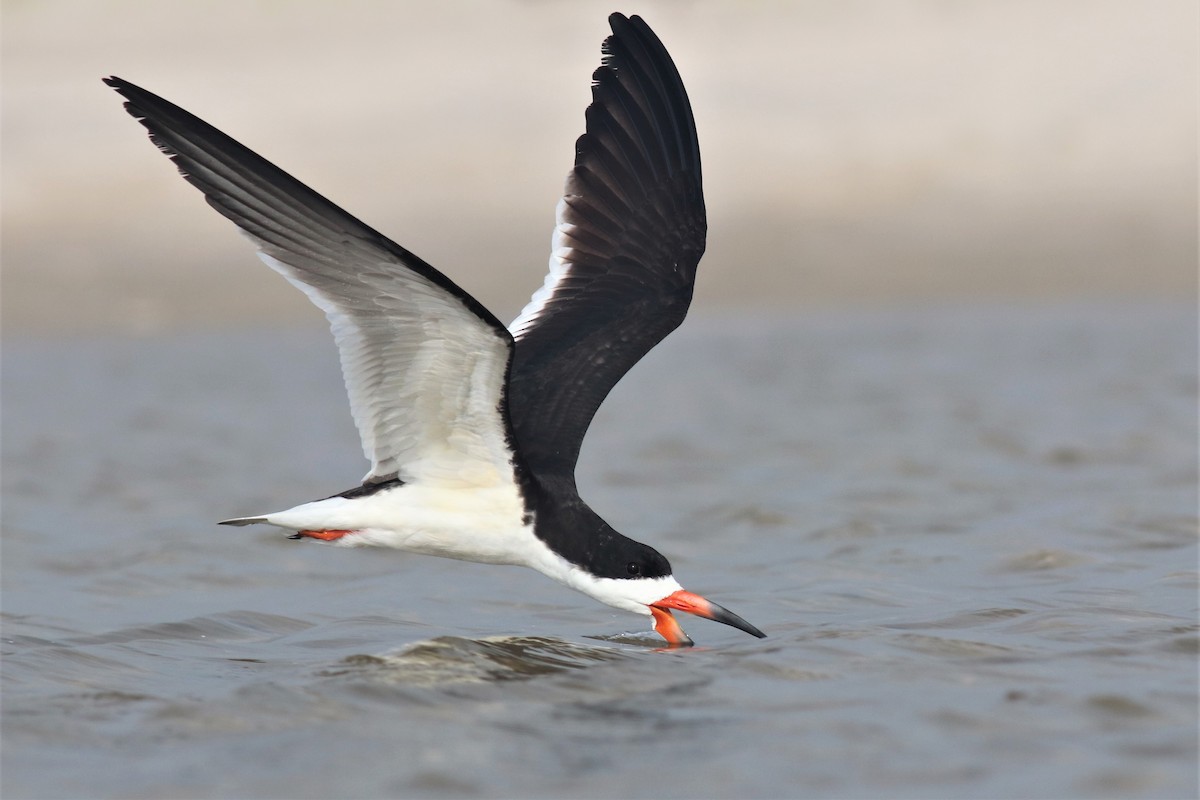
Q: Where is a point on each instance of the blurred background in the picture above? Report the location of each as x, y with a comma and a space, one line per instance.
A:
856, 153
932, 424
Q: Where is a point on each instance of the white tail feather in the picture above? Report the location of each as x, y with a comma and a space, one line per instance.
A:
242, 521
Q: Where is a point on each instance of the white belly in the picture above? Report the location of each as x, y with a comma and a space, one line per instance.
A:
488, 525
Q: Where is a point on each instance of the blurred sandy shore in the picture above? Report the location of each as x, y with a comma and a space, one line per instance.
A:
855, 153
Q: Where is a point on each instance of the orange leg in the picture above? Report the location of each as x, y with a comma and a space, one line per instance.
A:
325, 536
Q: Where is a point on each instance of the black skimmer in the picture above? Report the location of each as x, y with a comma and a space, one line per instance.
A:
473, 429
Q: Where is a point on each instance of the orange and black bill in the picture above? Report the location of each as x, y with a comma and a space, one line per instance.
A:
669, 629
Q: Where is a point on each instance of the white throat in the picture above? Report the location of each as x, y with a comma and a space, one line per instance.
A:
627, 594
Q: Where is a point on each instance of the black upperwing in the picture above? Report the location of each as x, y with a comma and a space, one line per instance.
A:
277, 210
631, 230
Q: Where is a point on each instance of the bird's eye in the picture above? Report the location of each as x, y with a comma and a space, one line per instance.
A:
633, 568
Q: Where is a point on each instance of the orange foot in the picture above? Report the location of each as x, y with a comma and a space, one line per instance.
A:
325, 536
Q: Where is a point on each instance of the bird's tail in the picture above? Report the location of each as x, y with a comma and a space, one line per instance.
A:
239, 521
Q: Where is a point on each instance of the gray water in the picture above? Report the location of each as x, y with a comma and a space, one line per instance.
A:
970, 535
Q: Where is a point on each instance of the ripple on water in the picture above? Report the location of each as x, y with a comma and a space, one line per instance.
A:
1044, 559
448, 660
969, 619
226, 626
955, 648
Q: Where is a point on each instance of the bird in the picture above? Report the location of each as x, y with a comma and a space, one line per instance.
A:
473, 428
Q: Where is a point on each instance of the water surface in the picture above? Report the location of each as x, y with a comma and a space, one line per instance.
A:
970, 535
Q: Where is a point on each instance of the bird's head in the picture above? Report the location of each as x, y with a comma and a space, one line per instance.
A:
640, 580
